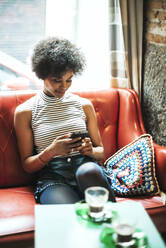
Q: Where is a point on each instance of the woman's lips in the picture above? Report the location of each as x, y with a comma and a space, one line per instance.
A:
60, 91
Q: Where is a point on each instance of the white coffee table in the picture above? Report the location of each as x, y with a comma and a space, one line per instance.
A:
57, 226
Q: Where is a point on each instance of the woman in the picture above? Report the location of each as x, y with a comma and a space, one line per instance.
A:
65, 166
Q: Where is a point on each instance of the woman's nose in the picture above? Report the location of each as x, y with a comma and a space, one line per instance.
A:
63, 84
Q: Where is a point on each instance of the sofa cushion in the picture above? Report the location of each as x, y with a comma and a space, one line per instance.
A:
17, 210
132, 169
148, 202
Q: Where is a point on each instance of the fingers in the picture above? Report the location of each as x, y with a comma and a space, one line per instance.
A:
75, 146
63, 136
64, 144
86, 146
76, 140
82, 145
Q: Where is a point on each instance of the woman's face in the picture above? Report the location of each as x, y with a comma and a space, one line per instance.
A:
54, 86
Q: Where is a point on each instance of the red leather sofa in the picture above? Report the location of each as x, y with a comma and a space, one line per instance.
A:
120, 122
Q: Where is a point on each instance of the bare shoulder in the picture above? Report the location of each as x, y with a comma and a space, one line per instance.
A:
26, 106
22, 119
85, 102
88, 108
24, 111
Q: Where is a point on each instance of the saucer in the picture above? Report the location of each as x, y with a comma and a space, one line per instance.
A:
82, 210
108, 237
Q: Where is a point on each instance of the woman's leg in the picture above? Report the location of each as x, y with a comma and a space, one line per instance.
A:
92, 174
59, 194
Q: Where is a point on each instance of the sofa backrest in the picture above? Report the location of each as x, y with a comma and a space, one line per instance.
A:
11, 171
119, 117
117, 114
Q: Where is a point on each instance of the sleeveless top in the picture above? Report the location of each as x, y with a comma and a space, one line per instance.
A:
52, 117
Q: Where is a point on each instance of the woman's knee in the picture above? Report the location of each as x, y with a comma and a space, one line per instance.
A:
88, 170
89, 174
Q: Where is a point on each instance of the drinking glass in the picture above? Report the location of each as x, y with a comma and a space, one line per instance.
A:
96, 197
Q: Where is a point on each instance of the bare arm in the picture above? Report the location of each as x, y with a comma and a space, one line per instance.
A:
22, 120
92, 146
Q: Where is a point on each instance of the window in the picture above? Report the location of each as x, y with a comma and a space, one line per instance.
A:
87, 23
6, 74
22, 24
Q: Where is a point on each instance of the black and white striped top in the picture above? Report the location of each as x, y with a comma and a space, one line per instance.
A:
52, 117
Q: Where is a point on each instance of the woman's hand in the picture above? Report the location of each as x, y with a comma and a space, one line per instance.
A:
86, 147
63, 145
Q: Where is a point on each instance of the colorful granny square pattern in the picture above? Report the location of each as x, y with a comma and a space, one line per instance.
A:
132, 169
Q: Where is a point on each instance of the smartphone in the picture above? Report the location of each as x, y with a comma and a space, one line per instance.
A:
79, 134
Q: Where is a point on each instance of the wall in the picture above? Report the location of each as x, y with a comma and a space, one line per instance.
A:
154, 76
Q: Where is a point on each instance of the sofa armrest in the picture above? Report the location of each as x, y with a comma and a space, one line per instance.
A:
131, 126
160, 160
130, 123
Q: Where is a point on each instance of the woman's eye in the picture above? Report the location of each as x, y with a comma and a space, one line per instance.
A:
56, 81
60, 81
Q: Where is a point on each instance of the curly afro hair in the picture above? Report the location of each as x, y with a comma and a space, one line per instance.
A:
54, 57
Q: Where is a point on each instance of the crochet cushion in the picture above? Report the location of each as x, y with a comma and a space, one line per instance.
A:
132, 169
